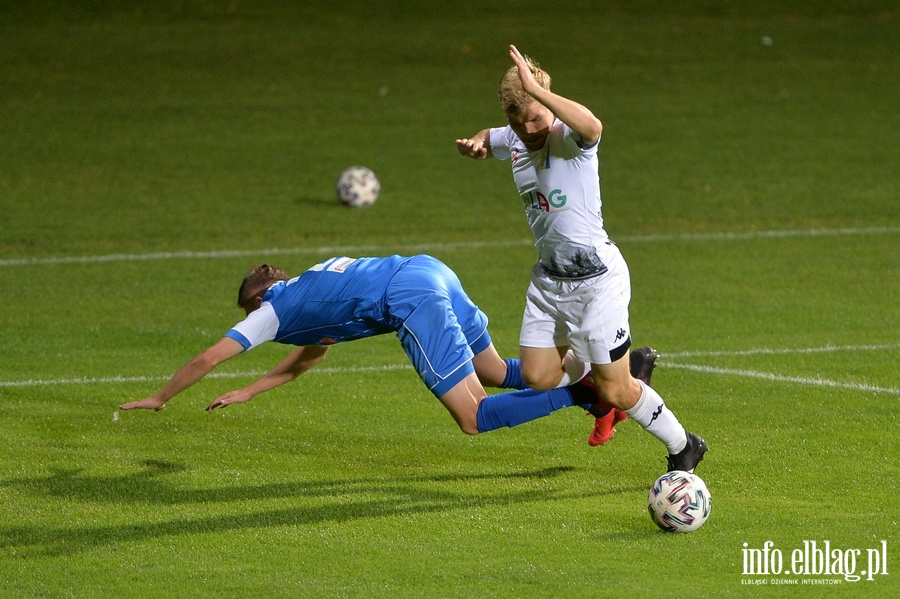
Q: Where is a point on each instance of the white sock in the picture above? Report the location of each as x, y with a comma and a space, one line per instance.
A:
575, 370
651, 413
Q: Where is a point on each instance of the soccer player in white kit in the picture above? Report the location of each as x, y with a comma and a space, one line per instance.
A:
576, 313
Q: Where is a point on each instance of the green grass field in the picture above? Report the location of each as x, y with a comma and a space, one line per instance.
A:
152, 152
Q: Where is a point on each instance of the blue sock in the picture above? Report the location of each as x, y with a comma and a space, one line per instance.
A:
513, 378
516, 407
585, 398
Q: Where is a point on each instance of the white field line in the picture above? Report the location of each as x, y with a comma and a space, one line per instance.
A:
808, 381
358, 250
664, 362
336, 250
163, 378
768, 376
775, 352
771, 234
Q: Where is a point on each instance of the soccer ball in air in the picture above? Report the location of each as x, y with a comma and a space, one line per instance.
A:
679, 502
358, 187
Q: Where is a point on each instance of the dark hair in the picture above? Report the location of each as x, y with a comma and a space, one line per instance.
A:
257, 281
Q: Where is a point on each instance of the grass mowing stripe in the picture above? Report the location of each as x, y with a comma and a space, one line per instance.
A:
424, 247
665, 363
803, 380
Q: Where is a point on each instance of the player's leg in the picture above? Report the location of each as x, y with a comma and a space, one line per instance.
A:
439, 355
437, 348
562, 368
615, 383
645, 406
611, 372
432, 336
506, 373
543, 341
462, 402
433, 339
549, 367
490, 412
494, 371
596, 315
606, 415
546, 358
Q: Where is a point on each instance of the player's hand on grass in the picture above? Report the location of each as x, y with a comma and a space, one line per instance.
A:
229, 398
148, 403
472, 148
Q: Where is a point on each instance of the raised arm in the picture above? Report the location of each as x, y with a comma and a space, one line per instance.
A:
295, 364
575, 115
189, 374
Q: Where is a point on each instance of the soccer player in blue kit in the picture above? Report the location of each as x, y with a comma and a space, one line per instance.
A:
341, 299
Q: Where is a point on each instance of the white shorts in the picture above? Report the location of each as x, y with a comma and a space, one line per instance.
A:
589, 316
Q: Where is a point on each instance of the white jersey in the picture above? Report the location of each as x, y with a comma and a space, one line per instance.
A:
560, 187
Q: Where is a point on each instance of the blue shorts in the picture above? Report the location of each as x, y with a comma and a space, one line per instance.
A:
439, 327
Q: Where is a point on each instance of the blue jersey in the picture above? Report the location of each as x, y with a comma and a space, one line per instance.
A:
342, 299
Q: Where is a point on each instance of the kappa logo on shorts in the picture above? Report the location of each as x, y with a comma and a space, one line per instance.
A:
620, 334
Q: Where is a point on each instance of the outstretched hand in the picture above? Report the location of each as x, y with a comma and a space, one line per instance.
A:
148, 403
223, 401
472, 148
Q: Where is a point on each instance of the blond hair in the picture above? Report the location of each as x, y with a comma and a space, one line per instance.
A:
513, 97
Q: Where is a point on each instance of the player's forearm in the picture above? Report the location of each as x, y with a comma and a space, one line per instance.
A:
297, 363
483, 137
199, 367
575, 115
189, 374
269, 381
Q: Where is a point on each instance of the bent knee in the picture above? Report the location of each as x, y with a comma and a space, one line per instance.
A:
469, 429
540, 381
538, 376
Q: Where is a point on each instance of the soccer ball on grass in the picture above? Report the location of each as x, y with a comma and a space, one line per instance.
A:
679, 502
358, 187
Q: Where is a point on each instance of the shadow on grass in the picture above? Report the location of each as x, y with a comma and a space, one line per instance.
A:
349, 499
150, 486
